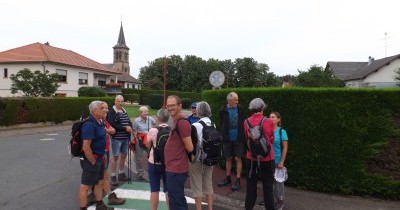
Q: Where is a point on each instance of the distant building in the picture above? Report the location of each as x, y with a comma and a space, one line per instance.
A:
75, 70
121, 64
374, 73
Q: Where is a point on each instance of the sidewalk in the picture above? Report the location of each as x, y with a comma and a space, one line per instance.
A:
299, 199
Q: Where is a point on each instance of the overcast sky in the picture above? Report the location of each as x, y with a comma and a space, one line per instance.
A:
288, 35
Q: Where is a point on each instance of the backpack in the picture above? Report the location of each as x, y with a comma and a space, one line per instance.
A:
75, 143
258, 145
158, 147
211, 145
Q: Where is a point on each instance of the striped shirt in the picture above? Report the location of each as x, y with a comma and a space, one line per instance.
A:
123, 121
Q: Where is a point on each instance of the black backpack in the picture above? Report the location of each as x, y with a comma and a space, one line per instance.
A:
211, 146
158, 147
258, 145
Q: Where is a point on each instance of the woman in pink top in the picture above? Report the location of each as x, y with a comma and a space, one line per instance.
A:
259, 167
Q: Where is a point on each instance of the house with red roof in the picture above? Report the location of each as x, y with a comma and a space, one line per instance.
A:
75, 70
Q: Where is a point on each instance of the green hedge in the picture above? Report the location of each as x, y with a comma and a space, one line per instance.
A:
144, 95
32, 110
91, 92
131, 97
332, 135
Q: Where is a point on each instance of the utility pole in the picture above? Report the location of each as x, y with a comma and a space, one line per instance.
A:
165, 81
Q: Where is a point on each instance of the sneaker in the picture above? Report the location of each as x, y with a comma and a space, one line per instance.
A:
122, 178
90, 199
114, 181
280, 206
224, 182
140, 178
103, 207
236, 186
114, 200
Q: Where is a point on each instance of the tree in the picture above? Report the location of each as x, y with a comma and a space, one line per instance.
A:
317, 76
397, 76
34, 83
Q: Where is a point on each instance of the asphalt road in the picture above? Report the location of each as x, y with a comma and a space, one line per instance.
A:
37, 171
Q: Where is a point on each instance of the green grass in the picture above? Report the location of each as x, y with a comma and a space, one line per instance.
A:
133, 111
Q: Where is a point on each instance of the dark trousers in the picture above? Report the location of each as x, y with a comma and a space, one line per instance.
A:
264, 170
176, 190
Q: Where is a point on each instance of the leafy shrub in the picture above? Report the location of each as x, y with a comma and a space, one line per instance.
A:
91, 92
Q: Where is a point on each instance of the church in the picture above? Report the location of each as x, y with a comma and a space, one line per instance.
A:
75, 70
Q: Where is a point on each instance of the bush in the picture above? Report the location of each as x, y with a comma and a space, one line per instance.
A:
32, 110
332, 135
155, 101
131, 97
91, 92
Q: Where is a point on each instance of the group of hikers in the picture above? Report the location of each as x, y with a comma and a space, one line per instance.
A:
174, 146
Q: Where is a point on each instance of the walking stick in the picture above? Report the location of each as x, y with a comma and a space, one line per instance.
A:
129, 164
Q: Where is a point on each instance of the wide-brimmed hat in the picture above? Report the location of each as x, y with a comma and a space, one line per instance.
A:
280, 174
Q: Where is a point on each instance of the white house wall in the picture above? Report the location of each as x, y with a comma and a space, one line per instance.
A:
384, 75
70, 88
5, 83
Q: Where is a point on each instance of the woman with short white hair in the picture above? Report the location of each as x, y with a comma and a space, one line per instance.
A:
259, 166
200, 174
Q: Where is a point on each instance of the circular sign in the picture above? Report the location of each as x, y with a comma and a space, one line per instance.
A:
217, 78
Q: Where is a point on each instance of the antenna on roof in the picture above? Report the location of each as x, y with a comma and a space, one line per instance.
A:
386, 44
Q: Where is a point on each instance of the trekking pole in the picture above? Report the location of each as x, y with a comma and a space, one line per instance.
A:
129, 164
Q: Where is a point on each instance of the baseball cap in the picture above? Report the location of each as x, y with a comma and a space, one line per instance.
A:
194, 105
280, 174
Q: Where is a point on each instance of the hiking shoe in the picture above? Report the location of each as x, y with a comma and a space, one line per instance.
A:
224, 182
236, 186
122, 178
103, 207
140, 178
279, 205
114, 181
114, 200
90, 199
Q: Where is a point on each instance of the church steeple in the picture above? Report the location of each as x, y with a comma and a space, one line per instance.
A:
121, 39
121, 53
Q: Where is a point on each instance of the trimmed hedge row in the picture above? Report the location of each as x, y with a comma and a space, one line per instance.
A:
152, 97
32, 110
332, 134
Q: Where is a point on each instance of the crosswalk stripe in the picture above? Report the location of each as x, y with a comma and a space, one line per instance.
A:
137, 197
143, 195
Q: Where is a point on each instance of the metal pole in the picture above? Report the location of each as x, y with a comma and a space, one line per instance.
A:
165, 81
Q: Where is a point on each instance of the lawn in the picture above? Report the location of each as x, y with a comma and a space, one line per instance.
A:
133, 111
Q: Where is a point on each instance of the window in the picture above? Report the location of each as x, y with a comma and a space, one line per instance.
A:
101, 83
83, 78
5, 73
62, 75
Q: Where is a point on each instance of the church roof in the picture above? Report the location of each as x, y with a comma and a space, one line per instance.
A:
38, 52
121, 39
125, 77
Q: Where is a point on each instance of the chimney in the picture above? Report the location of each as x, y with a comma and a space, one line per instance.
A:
370, 60
47, 43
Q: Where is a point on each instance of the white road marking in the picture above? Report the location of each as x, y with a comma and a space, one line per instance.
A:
48, 139
93, 207
52, 134
143, 195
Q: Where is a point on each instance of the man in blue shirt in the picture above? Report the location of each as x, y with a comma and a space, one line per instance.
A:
231, 117
193, 117
93, 136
